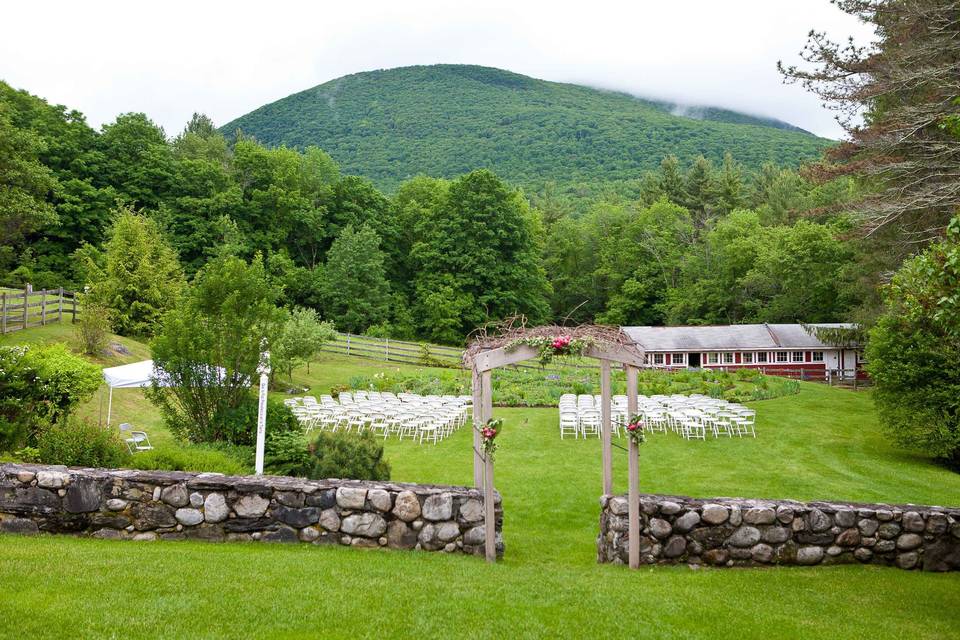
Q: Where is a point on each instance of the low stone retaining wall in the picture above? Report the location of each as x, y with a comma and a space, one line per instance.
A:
728, 532
161, 505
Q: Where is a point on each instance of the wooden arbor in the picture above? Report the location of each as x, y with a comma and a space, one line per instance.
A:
609, 346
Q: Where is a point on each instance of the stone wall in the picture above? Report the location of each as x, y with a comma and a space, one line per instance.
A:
728, 532
161, 505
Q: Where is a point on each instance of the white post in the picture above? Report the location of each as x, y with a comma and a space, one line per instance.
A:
109, 406
264, 371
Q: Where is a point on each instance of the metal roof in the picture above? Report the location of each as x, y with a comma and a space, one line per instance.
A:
729, 337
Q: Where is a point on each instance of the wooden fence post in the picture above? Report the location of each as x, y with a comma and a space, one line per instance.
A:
348, 344
73, 308
43, 307
26, 293
60, 305
386, 349
3, 313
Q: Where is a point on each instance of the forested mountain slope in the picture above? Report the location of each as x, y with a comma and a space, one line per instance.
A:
446, 120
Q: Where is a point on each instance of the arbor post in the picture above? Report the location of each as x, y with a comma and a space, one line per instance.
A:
606, 422
477, 422
489, 512
634, 476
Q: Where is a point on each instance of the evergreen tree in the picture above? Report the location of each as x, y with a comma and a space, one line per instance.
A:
142, 278
355, 289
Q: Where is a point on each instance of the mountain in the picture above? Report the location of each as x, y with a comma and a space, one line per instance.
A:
445, 120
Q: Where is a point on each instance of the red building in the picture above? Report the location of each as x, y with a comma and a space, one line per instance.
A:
792, 350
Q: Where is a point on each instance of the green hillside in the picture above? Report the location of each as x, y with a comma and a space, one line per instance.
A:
445, 120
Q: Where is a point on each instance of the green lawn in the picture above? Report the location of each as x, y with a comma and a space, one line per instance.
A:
823, 443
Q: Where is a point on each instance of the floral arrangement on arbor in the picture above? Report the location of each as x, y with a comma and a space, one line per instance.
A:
635, 430
489, 433
549, 347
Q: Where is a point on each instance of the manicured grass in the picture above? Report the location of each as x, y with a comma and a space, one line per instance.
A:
822, 443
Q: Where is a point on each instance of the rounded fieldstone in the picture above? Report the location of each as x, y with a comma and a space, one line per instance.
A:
909, 541
674, 547
251, 506
885, 546
937, 523
863, 555
351, 497
176, 495
400, 535
26, 477
883, 515
834, 550
809, 555
868, 526
775, 535
475, 536
471, 511
52, 479
215, 508
762, 553
686, 522
714, 513
447, 531
716, 556
618, 505
407, 506
196, 500
908, 560
818, 521
785, 514
438, 506
330, 520
760, 515
379, 499
745, 536
660, 528
913, 522
309, 534
369, 525
669, 508
188, 516
845, 518
849, 538
148, 536
116, 504
888, 530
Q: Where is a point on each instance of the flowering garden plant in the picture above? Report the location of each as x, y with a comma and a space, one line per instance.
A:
548, 347
635, 430
489, 433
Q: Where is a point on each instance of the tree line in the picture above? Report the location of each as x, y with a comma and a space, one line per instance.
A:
434, 260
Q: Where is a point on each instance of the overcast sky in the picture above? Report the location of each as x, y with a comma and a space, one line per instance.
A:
172, 58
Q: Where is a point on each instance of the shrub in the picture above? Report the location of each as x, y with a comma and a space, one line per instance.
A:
92, 328
79, 443
194, 458
347, 455
238, 426
40, 386
287, 454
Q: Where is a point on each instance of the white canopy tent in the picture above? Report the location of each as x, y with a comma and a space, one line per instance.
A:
128, 376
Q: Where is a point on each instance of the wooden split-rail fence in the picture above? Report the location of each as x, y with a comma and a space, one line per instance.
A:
26, 307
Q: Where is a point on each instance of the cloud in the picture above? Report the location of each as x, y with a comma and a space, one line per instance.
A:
173, 58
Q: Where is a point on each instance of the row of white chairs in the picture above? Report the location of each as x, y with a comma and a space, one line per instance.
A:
405, 415
690, 416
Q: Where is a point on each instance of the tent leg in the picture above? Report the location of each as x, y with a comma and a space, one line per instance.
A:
109, 407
